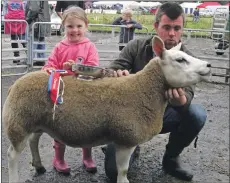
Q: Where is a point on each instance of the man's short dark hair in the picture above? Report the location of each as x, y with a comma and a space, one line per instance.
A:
172, 10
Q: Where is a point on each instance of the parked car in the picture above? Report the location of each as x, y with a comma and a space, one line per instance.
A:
56, 28
52, 4
54, 18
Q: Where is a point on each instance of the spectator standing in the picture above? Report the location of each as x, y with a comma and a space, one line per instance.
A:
196, 15
126, 33
38, 11
15, 10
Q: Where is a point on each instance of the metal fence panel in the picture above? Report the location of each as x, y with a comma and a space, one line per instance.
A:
19, 39
106, 38
205, 46
202, 43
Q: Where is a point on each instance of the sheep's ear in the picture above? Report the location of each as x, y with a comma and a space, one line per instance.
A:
177, 47
158, 46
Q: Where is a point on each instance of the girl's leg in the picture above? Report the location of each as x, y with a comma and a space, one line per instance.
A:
23, 37
35, 47
88, 161
121, 48
41, 46
15, 45
58, 162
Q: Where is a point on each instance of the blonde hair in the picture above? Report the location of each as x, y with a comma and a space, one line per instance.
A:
74, 11
127, 12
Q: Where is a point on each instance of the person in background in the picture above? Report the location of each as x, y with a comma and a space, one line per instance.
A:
196, 15
126, 33
61, 6
75, 48
182, 119
38, 11
15, 10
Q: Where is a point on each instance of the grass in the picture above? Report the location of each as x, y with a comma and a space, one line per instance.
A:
145, 20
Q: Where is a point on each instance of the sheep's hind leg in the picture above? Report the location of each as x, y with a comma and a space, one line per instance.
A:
13, 154
36, 160
123, 155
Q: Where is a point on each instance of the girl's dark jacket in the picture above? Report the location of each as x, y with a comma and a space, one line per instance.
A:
137, 54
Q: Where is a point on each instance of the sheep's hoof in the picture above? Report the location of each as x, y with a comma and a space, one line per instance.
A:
124, 180
40, 170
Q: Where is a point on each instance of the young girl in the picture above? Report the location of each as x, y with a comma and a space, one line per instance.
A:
75, 48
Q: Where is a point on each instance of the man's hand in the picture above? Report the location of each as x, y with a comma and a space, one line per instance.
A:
68, 65
176, 96
120, 73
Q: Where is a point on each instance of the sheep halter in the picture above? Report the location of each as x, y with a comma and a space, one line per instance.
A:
54, 89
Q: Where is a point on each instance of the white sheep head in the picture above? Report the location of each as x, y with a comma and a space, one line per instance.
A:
179, 68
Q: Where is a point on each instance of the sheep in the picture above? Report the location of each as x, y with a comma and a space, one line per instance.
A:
126, 110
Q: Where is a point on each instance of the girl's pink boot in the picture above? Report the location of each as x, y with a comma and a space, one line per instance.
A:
88, 162
58, 162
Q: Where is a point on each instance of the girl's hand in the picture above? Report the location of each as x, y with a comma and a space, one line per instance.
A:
49, 69
68, 64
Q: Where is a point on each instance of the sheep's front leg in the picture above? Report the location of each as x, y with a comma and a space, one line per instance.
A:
123, 155
36, 160
13, 158
13, 154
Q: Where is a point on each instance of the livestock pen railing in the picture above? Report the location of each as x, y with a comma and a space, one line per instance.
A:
204, 41
205, 46
15, 41
106, 38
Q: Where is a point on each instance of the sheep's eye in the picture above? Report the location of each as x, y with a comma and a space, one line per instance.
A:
181, 60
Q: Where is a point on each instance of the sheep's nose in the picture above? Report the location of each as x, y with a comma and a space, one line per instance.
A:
209, 65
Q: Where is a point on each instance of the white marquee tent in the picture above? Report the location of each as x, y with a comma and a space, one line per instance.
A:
105, 2
128, 4
116, 2
149, 4
189, 7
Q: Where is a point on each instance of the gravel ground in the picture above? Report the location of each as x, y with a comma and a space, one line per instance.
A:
209, 161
